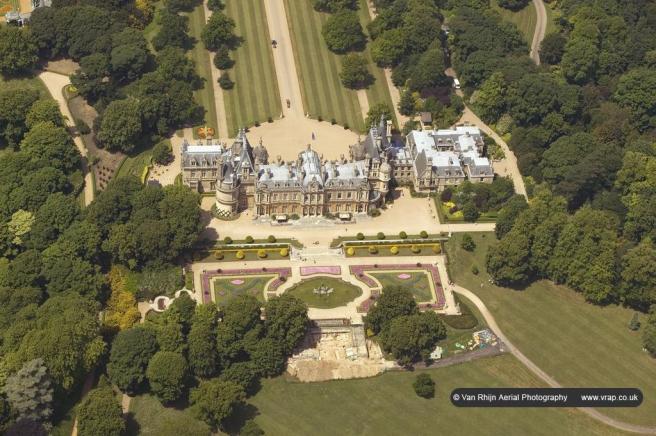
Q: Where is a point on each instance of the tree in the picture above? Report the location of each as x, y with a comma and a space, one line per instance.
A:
467, 242
355, 72
215, 5
552, 48
167, 375
342, 32
508, 214
424, 386
407, 103
121, 312
470, 212
508, 261
268, 357
42, 111
18, 52
388, 48
131, 351
286, 321
14, 104
51, 145
180, 5
375, 113
584, 257
491, 97
92, 79
394, 302
30, 391
513, 5
429, 71
215, 400
636, 91
121, 126
219, 32
202, 354
65, 272
639, 275
67, 337
580, 59
173, 31
333, 6
411, 337
244, 374
225, 82
222, 59
127, 62
174, 65
100, 414
649, 332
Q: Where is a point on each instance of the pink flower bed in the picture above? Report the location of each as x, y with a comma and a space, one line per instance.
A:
309, 270
404, 276
237, 282
359, 272
282, 273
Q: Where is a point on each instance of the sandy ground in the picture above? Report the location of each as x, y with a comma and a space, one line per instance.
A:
166, 174
55, 84
406, 213
364, 102
62, 66
289, 136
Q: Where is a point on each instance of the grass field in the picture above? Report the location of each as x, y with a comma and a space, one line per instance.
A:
417, 283
225, 291
387, 405
205, 95
318, 69
577, 343
524, 19
147, 417
153, 27
29, 83
255, 96
379, 91
343, 292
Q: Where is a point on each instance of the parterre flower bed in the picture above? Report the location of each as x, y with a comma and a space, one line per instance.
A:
309, 270
207, 276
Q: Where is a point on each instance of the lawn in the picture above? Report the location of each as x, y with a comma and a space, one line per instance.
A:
418, 283
255, 286
201, 57
343, 292
28, 83
379, 91
318, 69
255, 97
445, 215
147, 417
387, 405
153, 27
134, 165
525, 19
577, 343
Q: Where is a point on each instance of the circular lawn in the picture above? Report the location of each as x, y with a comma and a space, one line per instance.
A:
341, 294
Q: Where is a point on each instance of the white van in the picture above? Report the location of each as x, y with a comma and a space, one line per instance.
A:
456, 83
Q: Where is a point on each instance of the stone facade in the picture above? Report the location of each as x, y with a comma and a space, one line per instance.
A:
242, 177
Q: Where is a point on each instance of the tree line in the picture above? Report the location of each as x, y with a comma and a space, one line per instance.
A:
582, 127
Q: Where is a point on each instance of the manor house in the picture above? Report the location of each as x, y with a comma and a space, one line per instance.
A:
242, 176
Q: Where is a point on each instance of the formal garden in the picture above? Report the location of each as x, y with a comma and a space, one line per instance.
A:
417, 282
227, 288
227, 284
325, 292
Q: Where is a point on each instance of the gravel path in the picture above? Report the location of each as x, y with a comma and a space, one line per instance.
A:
540, 30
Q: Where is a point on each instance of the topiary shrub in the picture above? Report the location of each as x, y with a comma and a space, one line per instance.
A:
218, 254
403, 235
446, 195
359, 236
634, 324
227, 240
249, 239
284, 252
271, 239
240, 254
261, 253
437, 248
295, 216
423, 234
467, 242
424, 386
373, 249
380, 235
474, 270
415, 249
394, 250
350, 251
374, 212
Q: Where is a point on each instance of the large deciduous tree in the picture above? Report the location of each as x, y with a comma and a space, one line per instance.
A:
286, 321
121, 127
343, 32
394, 302
411, 337
203, 356
215, 400
131, 351
167, 375
100, 414
18, 52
